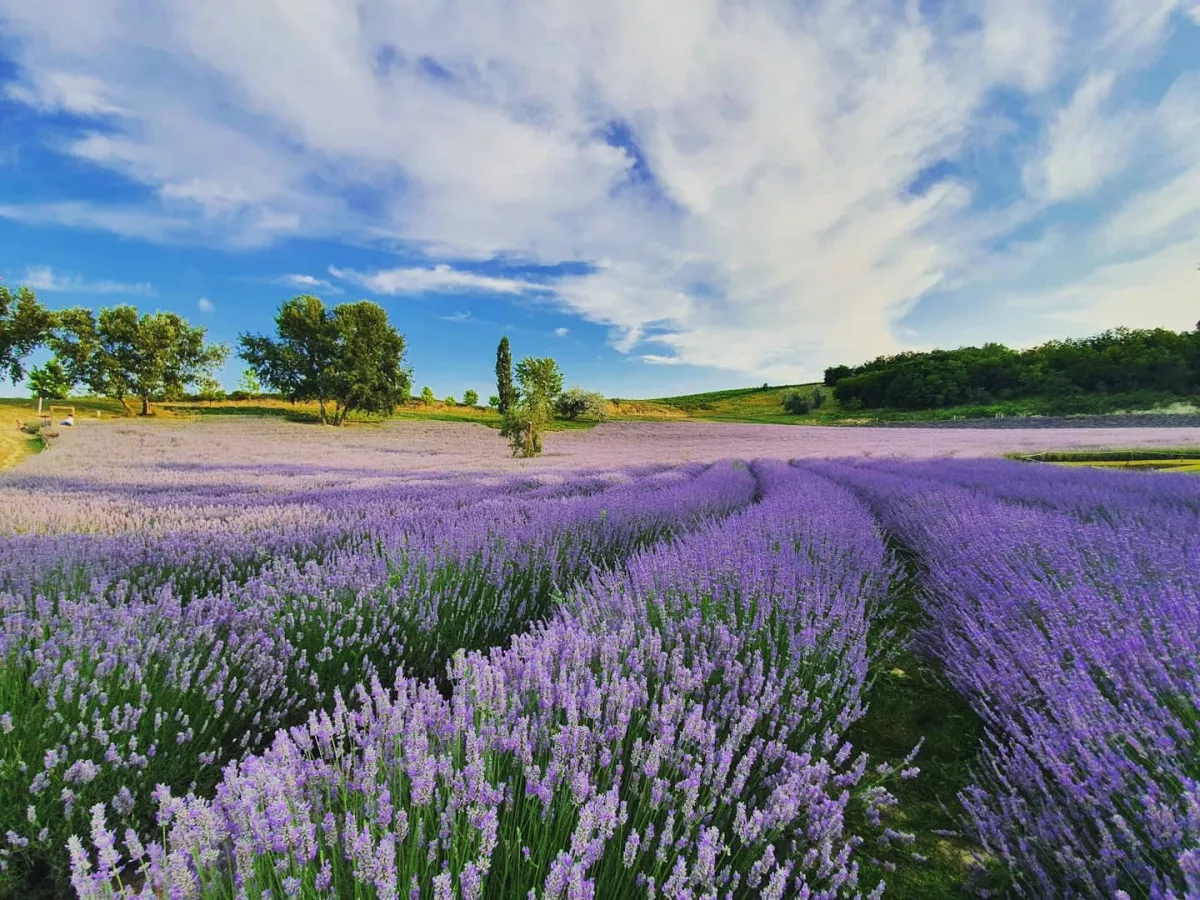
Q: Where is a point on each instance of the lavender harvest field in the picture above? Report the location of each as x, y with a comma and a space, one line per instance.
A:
255, 659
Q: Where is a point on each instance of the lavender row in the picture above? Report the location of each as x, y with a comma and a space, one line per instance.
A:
111, 692
1070, 619
675, 731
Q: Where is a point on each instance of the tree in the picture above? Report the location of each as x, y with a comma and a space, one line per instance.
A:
209, 389
450, 401
24, 324
50, 382
249, 383
494, 401
121, 353
349, 356
470, 398
370, 375
577, 403
504, 382
797, 404
427, 396
540, 383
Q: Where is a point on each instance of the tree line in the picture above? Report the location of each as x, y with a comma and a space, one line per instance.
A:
346, 359
1118, 361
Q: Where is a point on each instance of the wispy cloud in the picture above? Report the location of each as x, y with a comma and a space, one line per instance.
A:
307, 283
741, 181
205, 305
44, 278
436, 278
457, 317
562, 332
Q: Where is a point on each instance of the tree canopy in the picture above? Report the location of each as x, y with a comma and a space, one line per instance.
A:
1120, 361
349, 356
50, 382
121, 353
505, 392
24, 324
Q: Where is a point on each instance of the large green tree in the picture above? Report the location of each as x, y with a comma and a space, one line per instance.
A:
122, 353
504, 379
24, 324
349, 357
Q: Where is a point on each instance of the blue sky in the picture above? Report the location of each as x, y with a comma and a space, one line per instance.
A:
666, 197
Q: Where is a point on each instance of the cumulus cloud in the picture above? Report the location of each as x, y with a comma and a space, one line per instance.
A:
44, 278
767, 187
561, 332
436, 278
205, 305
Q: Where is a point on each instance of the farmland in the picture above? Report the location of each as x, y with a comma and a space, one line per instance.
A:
669, 659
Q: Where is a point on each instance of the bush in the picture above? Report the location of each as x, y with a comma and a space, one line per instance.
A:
797, 404
33, 428
523, 425
450, 401
818, 398
427, 396
577, 403
470, 398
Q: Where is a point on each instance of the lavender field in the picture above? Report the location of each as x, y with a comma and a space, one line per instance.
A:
258, 660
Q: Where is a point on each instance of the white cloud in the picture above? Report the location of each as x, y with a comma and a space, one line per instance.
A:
44, 278
776, 232
562, 332
306, 282
205, 305
457, 317
1085, 145
437, 278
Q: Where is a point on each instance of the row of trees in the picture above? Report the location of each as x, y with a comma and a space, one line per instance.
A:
1119, 361
118, 353
348, 358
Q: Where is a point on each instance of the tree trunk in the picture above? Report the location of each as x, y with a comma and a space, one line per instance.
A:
125, 404
321, 404
145, 406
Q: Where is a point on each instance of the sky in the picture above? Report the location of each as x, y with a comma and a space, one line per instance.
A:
666, 196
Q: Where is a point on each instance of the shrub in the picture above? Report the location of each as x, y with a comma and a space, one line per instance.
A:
577, 403
470, 398
818, 398
33, 428
797, 404
450, 401
427, 396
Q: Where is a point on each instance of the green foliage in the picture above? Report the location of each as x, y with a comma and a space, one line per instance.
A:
540, 381
50, 382
249, 383
209, 389
24, 324
349, 355
450, 401
1075, 372
494, 401
121, 353
470, 398
506, 394
818, 398
797, 404
34, 428
523, 426
577, 403
427, 396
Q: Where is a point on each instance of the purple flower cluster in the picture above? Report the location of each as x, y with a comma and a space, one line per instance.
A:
130, 674
673, 730
1064, 604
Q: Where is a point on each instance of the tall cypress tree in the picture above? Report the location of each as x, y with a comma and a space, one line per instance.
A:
504, 381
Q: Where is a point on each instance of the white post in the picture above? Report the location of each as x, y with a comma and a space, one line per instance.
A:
39, 407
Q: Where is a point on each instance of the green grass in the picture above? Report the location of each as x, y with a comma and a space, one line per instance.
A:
910, 701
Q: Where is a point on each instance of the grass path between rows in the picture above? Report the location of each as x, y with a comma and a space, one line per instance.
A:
910, 700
